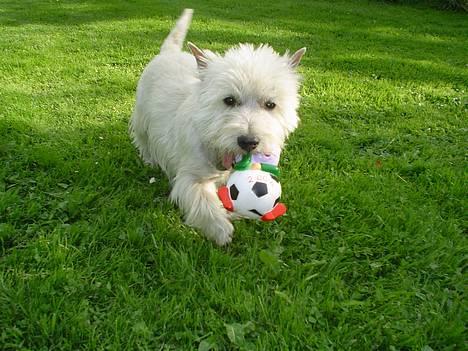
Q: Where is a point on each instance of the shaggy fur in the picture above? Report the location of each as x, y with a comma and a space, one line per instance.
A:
182, 123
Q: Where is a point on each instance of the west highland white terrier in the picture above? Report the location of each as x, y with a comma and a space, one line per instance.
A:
195, 113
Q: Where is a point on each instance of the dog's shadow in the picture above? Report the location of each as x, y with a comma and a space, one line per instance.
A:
54, 176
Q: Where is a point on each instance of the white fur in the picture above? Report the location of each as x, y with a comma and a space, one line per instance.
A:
181, 123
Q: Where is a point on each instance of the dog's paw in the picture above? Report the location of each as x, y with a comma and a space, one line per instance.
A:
223, 232
234, 216
217, 229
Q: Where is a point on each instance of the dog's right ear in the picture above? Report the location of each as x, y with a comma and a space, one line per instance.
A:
200, 56
295, 59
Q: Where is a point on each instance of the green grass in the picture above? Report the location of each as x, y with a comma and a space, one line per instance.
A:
371, 254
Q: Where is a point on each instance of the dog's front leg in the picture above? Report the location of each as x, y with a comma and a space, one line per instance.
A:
202, 208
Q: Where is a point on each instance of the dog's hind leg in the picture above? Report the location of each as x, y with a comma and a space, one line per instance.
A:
140, 138
202, 208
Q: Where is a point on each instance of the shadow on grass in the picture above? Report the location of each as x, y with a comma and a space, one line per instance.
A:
89, 155
89, 177
71, 13
82, 12
400, 43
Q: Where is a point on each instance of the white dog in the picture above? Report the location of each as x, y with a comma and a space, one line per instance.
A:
194, 114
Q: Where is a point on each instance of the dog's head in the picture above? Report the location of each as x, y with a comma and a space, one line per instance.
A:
248, 100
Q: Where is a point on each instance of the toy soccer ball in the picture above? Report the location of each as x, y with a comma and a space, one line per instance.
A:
253, 194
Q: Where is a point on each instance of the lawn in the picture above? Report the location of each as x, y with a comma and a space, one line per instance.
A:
371, 254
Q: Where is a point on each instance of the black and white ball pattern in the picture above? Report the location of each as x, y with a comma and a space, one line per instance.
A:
253, 192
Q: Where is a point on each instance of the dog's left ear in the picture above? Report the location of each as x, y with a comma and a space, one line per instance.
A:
200, 56
295, 59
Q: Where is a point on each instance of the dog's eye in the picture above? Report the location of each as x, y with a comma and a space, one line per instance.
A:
270, 105
230, 101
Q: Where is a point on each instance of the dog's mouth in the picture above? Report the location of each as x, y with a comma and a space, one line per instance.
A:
228, 160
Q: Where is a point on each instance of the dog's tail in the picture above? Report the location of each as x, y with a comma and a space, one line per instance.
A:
175, 39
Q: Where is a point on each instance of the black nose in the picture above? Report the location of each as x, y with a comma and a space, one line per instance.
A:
247, 142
